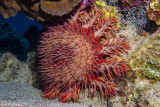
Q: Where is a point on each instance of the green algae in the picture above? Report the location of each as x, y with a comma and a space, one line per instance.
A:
151, 69
146, 60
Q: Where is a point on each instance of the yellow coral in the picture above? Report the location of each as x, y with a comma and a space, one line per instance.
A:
109, 11
154, 11
102, 3
155, 5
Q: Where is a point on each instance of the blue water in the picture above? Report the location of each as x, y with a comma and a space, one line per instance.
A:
21, 22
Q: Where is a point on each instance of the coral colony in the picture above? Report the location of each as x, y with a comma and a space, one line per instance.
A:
74, 59
134, 11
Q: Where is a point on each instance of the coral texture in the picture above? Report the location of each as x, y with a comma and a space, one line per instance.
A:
137, 15
127, 4
73, 59
12, 70
154, 11
40, 10
134, 11
145, 60
58, 8
151, 69
9, 8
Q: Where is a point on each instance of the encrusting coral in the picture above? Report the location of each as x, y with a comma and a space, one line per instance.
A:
154, 11
151, 69
12, 70
72, 57
145, 60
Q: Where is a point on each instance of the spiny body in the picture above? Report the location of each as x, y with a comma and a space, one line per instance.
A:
73, 59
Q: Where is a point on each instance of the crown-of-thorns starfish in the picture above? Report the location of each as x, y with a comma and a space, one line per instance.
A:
73, 59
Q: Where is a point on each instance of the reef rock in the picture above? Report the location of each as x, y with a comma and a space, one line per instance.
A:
13, 70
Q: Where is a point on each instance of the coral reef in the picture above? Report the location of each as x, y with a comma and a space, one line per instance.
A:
137, 15
154, 15
145, 60
133, 12
11, 42
40, 10
151, 69
142, 83
58, 8
136, 12
147, 93
110, 11
9, 8
154, 11
127, 4
137, 92
13, 70
154, 4
75, 56
142, 93
73, 59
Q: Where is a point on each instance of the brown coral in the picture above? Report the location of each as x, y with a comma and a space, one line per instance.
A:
58, 8
154, 15
9, 8
40, 10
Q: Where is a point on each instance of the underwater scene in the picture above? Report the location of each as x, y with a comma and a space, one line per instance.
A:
79, 53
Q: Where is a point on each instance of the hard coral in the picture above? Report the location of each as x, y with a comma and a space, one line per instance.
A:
9, 8
151, 69
138, 16
134, 11
154, 11
145, 59
40, 10
127, 4
59, 7
12, 70
73, 59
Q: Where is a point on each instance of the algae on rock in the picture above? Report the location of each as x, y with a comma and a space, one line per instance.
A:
13, 70
145, 60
